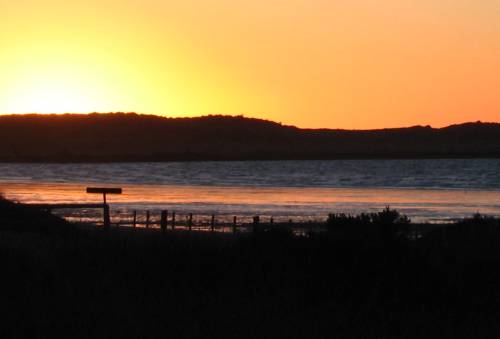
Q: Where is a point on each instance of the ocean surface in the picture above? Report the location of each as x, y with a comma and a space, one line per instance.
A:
435, 190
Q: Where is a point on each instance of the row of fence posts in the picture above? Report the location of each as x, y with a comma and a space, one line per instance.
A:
164, 221
417, 231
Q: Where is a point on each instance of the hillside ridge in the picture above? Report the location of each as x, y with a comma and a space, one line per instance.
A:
136, 137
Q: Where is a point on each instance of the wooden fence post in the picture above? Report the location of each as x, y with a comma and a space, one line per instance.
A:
190, 221
173, 220
212, 223
134, 222
147, 219
234, 225
256, 222
163, 221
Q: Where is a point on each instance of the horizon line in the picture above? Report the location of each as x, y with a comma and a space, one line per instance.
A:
242, 115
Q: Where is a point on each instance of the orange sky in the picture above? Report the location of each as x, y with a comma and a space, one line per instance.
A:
311, 63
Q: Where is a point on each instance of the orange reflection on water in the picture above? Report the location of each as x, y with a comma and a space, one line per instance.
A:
312, 200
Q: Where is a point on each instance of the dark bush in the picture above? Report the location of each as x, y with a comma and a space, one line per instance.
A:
389, 224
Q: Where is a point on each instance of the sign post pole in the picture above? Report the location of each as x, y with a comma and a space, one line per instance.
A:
105, 206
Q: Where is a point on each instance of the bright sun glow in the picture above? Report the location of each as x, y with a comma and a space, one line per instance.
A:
53, 89
51, 98
309, 63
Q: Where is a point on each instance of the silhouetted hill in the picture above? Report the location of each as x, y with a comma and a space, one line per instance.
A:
133, 137
26, 218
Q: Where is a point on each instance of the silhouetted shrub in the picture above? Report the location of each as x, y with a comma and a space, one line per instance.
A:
389, 224
387, 216
479, 219
342, 219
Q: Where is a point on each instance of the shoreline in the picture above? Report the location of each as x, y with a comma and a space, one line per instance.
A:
273, 157
280, 203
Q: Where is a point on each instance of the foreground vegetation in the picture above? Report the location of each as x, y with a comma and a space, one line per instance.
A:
363, 278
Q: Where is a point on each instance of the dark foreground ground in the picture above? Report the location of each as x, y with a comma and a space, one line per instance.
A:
356, 281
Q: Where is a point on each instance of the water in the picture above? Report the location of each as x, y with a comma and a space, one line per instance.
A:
425, 190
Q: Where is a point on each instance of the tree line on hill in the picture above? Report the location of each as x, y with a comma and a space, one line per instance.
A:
134, 137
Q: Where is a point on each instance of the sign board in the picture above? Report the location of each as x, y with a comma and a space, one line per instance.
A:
104, 190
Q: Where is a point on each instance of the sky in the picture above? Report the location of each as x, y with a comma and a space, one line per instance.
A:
312, 63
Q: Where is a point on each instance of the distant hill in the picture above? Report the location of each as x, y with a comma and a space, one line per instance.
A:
134, 137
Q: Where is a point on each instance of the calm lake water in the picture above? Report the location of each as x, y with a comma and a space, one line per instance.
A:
425, 190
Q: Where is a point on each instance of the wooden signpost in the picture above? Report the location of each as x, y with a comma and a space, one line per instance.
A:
104, 191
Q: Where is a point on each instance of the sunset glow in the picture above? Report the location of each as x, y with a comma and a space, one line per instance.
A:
347, 64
